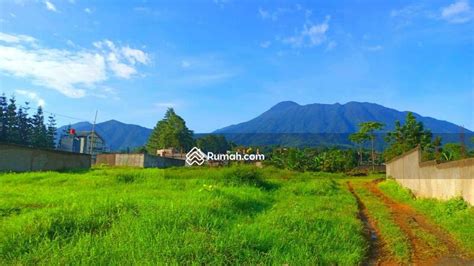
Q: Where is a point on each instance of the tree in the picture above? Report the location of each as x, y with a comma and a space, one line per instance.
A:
452, 151
24, 125
359, 139
51, 132
214, 143
12, 131
170, 132
3, 117
367, 132
437, 145
39, 136
408, 136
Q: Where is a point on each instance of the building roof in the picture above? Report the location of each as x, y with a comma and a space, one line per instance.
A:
87, 133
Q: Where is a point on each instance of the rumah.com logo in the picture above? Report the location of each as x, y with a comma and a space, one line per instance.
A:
197, 157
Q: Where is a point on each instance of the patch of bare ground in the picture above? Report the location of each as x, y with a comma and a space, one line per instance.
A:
430, 244
377, 253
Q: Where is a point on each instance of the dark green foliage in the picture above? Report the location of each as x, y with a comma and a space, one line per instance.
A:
18, 128
39, 137
12, 130
408, 136
51, 132
171, 132
367, 132
3, 117
451, 152
326, 160
24, 125
214, 143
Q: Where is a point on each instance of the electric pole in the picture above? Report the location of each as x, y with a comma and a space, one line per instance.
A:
92, 134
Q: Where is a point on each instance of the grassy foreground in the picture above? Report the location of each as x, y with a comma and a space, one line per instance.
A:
231, 215
454, 215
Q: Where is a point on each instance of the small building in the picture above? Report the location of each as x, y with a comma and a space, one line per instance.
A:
90, 142
69, 143
81, 141
171, 153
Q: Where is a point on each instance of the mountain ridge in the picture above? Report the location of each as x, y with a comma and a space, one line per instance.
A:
291, 117
284, 117
117, 135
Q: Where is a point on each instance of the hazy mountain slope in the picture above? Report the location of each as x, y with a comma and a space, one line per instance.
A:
117, 135
290, 117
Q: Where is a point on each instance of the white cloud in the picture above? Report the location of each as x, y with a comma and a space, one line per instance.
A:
70, 72
276, 13
33, 96
134, 55
88, 10
311, 35
457, 12
50, 6
119, 69
15, 38
117, 55
265, 44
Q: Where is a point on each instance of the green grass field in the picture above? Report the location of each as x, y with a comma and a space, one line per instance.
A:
234, 215
230, 215
454, 215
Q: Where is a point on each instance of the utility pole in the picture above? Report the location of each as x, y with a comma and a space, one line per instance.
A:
92, 134
463, 143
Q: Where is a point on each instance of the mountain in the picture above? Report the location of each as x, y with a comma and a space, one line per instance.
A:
286, 123
117, 135
290, 117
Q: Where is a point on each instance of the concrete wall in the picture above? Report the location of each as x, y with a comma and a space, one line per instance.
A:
21, 159
137, 160
433, 179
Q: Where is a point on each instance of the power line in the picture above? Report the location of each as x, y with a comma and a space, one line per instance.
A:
61, 115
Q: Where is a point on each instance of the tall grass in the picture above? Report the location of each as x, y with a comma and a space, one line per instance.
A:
237, 215
454, 215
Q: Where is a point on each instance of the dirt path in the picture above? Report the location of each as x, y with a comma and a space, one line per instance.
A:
377, 253
430, 245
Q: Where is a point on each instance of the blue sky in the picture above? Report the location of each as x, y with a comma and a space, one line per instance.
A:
221, 62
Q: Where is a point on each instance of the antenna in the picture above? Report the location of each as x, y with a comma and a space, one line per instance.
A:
463, 143
92, 133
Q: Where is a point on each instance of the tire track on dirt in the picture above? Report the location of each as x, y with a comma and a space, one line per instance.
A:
377, 253
430, 244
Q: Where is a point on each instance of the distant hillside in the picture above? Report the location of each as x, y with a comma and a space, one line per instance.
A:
118, 136
290, 117
286, 123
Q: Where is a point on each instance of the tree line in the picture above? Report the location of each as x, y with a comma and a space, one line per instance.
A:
404, 137
172, 131
17, 126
